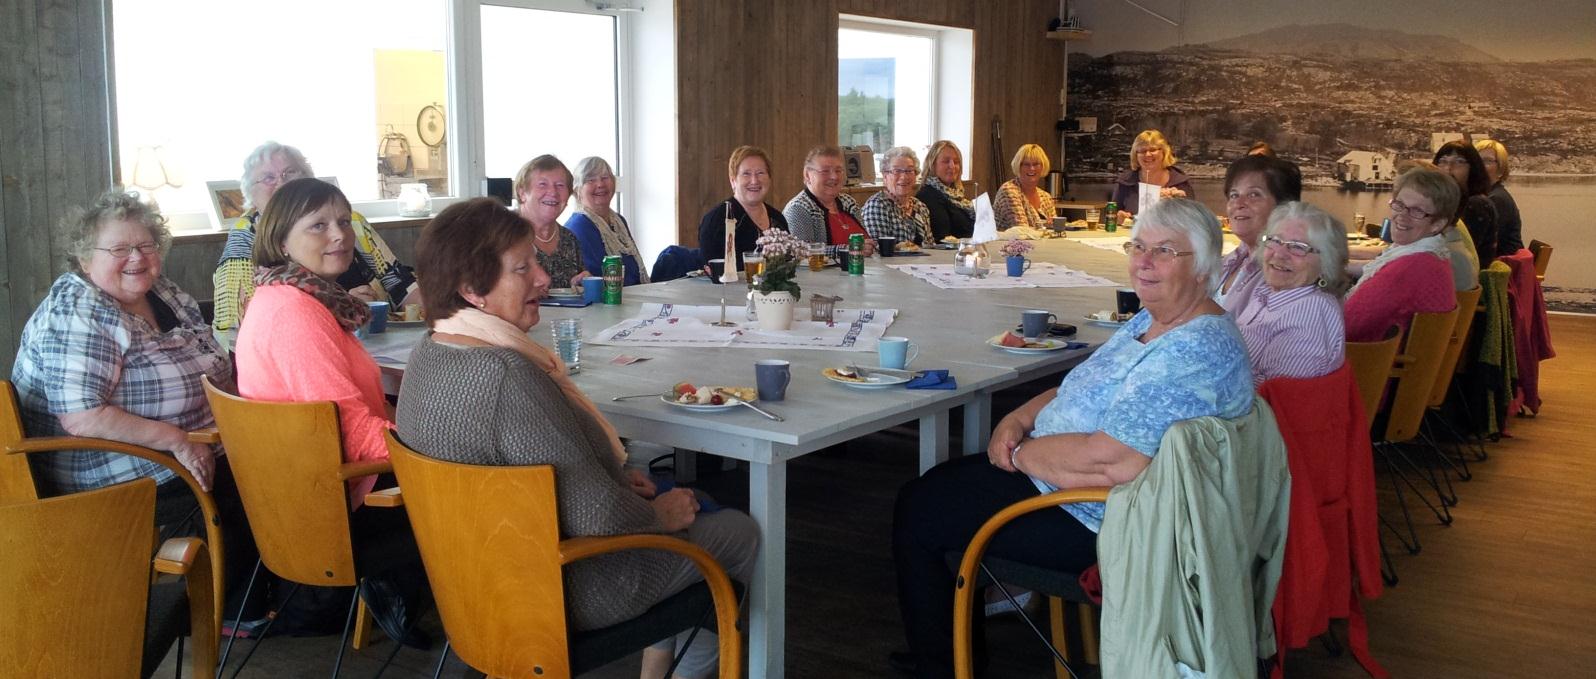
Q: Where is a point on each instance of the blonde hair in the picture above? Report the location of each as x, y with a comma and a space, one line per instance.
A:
543, 163
1503, 167
743, 153
931, 155
1030, 152
1152, 138
80, 227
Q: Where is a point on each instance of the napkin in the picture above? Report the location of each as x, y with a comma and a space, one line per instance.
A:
985, 224
933, 379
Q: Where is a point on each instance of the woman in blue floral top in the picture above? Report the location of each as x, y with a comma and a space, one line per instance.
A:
1180, 358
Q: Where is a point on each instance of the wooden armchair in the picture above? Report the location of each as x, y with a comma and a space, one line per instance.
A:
76, 582
1414, 371
490, 539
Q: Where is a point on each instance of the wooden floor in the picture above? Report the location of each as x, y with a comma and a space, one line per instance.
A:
1508, 590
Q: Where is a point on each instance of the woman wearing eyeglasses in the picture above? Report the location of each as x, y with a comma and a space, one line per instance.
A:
1415, 274
375, 274
896, 212
1475, 211
1254, 185
1022, 201
1292, 324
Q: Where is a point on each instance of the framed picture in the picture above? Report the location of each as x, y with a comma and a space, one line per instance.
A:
227, 201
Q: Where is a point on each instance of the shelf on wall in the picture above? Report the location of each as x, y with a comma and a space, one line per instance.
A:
1069, 34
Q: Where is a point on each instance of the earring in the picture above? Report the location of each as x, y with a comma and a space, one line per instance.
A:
1322, 282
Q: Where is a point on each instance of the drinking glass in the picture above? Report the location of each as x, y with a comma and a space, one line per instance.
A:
568, 343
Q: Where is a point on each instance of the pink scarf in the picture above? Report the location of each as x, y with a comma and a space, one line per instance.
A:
498, 332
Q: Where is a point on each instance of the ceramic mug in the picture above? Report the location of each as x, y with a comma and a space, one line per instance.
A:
1018, 266
1035, 323
772, 376
896, 352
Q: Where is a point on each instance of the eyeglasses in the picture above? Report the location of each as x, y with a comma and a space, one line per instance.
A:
899, 171
1400, 208
826, 170
125, 251
270, 179
1297, 248
1161, 253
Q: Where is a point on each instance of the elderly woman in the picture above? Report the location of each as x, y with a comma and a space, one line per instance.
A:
942, 191
1021, 200
1292, 327
896, 212
599, 230
1414, 274
1254, 185
542, 190
1152, 161
1476, 212
477, 390
748, 170
1177, 359
822, 213
375, 275
297, 343
1509, 225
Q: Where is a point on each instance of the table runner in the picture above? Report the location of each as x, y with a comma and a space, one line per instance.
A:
1116, 244
679, 325
1041, 275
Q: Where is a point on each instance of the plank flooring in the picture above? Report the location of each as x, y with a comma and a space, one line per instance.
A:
1508, 590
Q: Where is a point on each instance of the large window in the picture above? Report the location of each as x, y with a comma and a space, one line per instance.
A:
902, 84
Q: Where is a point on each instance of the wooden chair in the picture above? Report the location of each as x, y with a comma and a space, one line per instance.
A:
1468, 302
287, 461
17, 484
1543, 258
490, 539
968, 579
1414, 372
1371, 364
76, 582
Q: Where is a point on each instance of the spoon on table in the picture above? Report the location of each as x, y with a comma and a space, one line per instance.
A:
732, 398
623, 398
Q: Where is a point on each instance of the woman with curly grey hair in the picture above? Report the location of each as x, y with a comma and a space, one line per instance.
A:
1292, 324
896, 212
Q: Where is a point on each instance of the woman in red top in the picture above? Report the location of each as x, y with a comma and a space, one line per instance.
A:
1415, 274
822, 213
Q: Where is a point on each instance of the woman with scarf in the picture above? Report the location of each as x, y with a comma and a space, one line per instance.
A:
297, 343
1415, 274
478, 390
942, 191
600, 230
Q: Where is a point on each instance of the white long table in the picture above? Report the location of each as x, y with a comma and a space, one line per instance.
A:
950, 326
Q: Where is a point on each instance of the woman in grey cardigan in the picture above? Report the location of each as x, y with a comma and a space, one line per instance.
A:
478, 390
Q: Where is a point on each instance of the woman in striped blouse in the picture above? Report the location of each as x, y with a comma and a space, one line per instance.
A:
1292, 324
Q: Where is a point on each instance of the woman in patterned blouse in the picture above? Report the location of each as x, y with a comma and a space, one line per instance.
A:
1292, 325
542, 189
1021, 201
822, 213
896, 212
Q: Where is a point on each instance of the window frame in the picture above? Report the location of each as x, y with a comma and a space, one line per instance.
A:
854, 22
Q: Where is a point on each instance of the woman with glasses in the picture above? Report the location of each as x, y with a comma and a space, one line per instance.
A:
1152, 161
375, 275
942, 191
1254, 185
1180, 357
1021, 201
1475, 211
896, 212
1415, 274
1509, 226
822, 213
1292, 327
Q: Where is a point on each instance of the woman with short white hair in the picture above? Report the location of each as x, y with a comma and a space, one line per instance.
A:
600, 230
895, 212
1292, 325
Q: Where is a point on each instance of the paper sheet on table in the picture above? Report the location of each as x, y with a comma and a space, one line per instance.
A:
1148, 195
985, 224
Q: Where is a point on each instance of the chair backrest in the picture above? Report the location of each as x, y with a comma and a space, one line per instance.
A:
1415, 370
1543, 256
1371, 365
285, 459
1467, 301
489, 537
75, 580
16, 478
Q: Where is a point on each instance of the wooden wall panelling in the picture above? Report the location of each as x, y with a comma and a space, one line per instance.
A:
959, 13
802, 72
1018, 74
712, 96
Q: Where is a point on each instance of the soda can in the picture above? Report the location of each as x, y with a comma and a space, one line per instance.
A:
613, 278
856, 255
1111, 217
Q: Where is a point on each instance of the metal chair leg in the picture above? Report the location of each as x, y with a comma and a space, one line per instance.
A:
1413, 545
178, 670
1439, 508
385, 663
438, 671
343, 641
271, 619
1057, 657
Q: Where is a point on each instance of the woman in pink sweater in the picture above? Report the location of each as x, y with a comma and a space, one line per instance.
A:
1414, 275
297, 343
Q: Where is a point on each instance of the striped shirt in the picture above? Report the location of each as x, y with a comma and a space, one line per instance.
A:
1240, 271
883, 218
1292, 333
81, 351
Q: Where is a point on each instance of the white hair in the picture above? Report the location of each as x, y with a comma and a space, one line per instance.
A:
895, 153
260, 155
1325, 233
1200, 226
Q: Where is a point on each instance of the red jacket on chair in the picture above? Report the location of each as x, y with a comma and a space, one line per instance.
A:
1333, 538
1532, 339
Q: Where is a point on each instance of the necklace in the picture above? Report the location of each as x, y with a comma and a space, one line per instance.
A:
540, 239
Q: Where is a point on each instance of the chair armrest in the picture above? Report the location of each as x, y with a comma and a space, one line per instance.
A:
206, 435
964, 589
189, 558
177, 555
353, 470
720, 589
387, 497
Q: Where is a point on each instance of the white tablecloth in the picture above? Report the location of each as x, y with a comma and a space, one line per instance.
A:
677, 325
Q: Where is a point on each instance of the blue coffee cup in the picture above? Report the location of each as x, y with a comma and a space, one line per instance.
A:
1018, 266
592, 289
896, 352
379, 317
1035, 323
772, 377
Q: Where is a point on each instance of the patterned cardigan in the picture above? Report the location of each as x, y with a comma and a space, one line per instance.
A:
883, 218
806, 218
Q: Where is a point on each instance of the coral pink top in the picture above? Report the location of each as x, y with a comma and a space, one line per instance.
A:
290, 348
1413, 284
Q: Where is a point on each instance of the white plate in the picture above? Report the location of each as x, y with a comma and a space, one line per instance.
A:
872, 382
1053, 344
565, 293
698, 407
1102, 323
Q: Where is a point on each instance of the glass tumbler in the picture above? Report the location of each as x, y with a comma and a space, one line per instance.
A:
568, 343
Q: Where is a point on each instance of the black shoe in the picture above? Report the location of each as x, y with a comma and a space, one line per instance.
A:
903, 661
388, 606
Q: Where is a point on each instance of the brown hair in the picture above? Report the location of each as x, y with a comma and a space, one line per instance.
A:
543, 163
743, 153
291, 203
462, 246
822, 151
1431, 182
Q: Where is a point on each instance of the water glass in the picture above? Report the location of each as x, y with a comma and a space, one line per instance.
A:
568, 343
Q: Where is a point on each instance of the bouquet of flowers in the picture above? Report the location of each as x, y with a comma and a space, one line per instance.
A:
782, 252
1016, 248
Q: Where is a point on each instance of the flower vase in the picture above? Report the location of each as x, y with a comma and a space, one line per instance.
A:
1018, 265
774, 309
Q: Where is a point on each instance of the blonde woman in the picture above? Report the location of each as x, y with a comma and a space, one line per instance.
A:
1509, 225
1021, 200
1152, 161
942, 192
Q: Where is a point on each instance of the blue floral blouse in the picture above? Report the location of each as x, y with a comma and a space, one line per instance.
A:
1134, 391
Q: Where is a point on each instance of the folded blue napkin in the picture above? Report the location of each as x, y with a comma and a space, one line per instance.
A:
706, 504
933, 379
